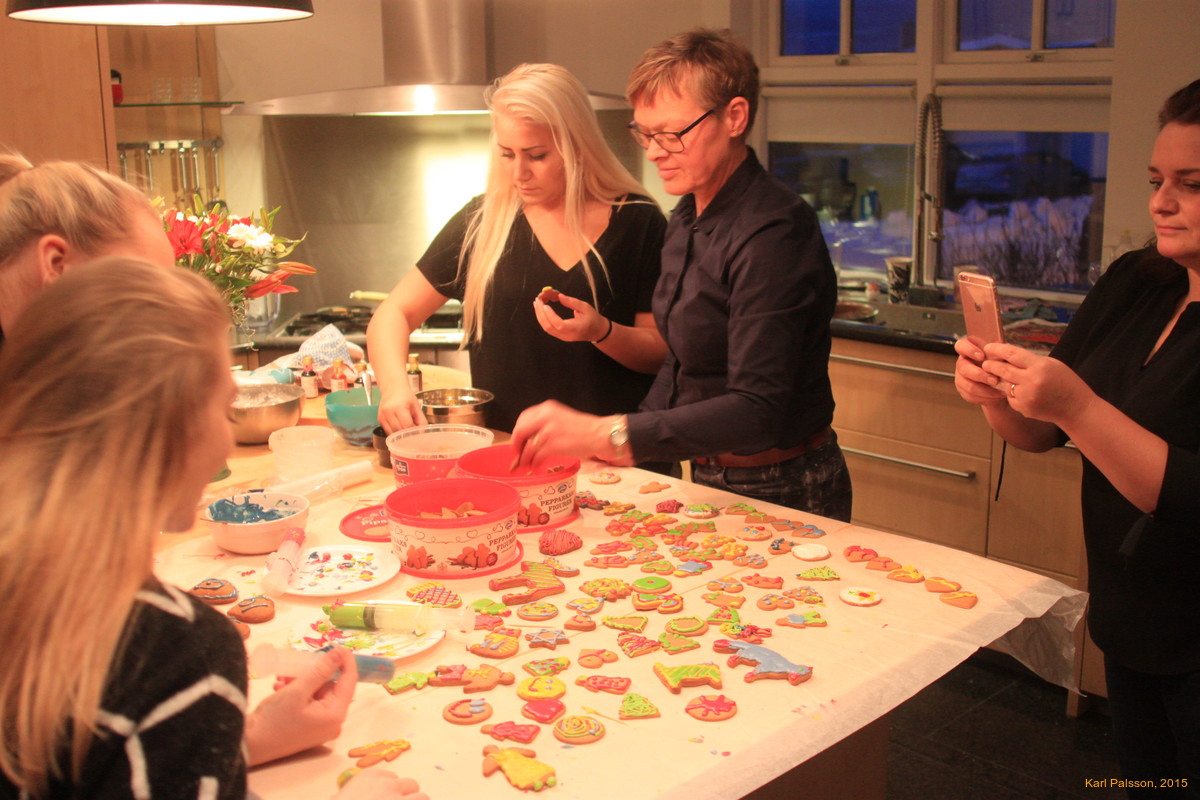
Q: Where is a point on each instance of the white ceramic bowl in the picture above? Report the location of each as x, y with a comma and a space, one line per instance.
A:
258, 537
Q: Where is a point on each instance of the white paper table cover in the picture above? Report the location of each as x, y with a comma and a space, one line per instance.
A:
865, 662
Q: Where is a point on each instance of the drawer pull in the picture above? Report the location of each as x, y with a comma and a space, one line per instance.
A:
870, 362
954, 473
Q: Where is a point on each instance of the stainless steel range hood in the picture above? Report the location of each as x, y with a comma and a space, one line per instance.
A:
437, 58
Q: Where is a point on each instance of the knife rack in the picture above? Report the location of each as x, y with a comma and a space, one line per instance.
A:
175, 169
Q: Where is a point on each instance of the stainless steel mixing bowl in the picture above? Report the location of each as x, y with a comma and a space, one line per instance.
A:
261, 409
457, 406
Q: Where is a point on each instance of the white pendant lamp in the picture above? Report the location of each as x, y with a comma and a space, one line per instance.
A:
159, 12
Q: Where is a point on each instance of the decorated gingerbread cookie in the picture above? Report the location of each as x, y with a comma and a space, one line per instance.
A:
539, 579
677, 677
253, 609
603, 683
537, 611
513, 731
810, 551
558, 542
545, 710
635, 706
711, 707
369, 755
960, 599
467, 712
858, 596
542, 687
215, 591
519, 766
594, 659
765, 662
578, 729
604, 477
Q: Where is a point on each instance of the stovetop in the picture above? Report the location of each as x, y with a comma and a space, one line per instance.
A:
347, 319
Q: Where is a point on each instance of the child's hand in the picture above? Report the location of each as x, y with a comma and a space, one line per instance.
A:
303, 712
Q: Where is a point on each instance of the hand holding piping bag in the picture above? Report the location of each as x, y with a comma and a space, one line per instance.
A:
283, 563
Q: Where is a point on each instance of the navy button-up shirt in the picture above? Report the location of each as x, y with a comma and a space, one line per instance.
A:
744, 301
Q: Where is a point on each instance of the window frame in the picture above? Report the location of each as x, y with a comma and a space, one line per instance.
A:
1037, 53
1072, 74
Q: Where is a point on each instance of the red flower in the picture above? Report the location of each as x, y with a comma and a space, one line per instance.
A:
184, 236
272, 284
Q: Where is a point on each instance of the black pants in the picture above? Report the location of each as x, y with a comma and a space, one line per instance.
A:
1156, 725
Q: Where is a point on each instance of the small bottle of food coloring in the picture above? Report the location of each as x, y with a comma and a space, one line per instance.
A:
308, 378
287, 663
415, 379
337, 378
361, 369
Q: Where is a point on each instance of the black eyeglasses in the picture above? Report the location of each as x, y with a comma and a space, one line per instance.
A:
671, 141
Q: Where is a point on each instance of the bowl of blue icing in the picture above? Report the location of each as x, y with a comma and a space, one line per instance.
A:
255, 522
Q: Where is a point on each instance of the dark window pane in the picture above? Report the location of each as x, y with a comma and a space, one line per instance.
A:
1072, 23
862, 196
810, 27
1026, 208
994, 24
884, 26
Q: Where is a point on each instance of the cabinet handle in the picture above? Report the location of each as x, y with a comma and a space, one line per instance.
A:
868, 362
954, 473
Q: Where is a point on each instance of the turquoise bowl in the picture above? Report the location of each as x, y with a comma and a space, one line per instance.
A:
352, 416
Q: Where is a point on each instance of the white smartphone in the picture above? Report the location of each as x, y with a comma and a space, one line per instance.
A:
981, 308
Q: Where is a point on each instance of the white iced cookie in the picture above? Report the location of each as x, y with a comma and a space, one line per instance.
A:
857, 596
811, 551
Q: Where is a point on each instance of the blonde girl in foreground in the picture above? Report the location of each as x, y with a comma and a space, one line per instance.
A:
113, 685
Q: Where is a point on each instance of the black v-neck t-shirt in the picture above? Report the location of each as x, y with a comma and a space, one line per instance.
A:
522, 364
1143, 608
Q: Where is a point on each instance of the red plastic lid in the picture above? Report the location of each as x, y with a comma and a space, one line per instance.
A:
368, 524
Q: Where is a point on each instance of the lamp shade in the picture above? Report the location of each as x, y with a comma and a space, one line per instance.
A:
159, 12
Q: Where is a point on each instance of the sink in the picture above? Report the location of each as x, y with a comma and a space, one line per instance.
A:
924, 320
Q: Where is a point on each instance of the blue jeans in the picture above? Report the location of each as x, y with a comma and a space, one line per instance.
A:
1156, 726
817, 482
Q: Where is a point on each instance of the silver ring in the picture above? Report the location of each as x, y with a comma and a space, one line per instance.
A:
1012, 390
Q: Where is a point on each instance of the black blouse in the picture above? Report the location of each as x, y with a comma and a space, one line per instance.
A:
522, 364
1142, 570
744, 303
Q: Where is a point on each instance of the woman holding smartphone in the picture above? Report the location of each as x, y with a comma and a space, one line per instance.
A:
1124, 385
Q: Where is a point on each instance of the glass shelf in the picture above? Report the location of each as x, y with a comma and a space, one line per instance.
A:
181, 104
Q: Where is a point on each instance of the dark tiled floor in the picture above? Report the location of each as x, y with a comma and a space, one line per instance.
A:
989, 730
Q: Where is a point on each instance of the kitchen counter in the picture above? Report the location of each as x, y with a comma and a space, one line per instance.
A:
881, 334
865, 661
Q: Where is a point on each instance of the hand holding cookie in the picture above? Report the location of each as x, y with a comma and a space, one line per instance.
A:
584, 325
380, 784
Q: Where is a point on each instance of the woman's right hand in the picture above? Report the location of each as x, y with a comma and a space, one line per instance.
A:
380, 784
974, 384
400, 410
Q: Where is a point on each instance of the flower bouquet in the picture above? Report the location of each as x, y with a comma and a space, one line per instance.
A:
239, 255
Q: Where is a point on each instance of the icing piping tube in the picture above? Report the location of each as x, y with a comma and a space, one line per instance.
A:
287, 663
320, 485
282, 564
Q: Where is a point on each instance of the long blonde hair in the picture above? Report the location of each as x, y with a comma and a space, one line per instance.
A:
545, 94
104, 381
86, 206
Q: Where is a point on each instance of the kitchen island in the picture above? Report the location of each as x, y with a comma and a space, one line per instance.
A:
825, 736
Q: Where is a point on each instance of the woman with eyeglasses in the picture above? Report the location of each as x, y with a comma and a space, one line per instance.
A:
744, 302
559, 211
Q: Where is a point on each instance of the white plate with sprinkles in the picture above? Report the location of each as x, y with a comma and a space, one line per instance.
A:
315, 634
329, 571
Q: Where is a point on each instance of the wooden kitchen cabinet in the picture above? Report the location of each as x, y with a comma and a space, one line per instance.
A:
1036, 523
919, 457
55, 100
